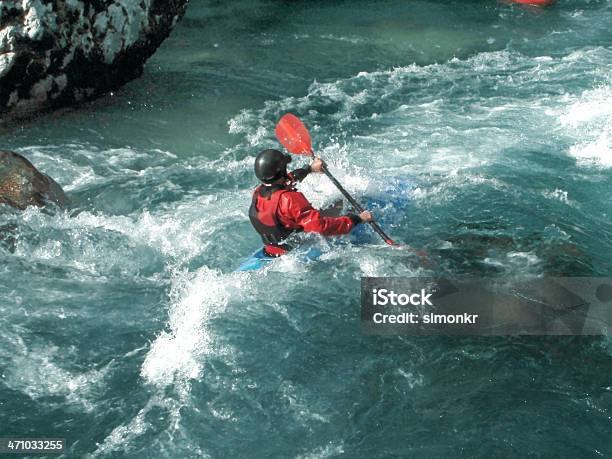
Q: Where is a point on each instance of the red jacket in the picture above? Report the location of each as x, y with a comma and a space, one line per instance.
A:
294, 211
278, 212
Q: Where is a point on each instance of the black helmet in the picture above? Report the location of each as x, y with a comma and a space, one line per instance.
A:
270, 165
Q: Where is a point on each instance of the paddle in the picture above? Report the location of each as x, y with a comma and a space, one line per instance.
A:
292, 133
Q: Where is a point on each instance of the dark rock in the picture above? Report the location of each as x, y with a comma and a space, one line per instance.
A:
55, 53
22, 185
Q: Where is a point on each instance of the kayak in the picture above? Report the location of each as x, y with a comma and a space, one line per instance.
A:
390, 206
256, 261
260, 260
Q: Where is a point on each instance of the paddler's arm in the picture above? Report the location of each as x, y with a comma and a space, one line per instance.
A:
300, 174
295, 211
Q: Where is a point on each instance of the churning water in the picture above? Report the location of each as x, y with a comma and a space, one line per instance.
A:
124, 330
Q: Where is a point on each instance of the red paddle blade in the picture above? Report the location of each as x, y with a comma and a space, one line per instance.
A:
292, 133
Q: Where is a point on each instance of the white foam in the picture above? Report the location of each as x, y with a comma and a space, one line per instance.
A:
121, 436
74, 165
559, 195
38, 372
589, 120
413, 380
331, 449
179, 234
365, 261
177, 355
515, 262
448, 139
300, 406
597, 151
353, 40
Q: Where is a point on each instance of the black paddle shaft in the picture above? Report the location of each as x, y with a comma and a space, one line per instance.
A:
375, 226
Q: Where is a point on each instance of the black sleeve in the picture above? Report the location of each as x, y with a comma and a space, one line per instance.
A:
356, 219
301, 173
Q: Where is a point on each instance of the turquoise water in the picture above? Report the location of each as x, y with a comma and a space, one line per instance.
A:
124, 330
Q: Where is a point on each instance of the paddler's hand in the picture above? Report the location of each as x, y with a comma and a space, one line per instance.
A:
316, 165
366, 216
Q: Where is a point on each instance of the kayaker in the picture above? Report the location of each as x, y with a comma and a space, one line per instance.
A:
278, 210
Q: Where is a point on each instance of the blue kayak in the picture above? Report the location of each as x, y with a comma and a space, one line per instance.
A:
259, 259
256, 261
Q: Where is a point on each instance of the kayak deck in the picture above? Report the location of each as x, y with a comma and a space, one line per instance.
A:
259, 259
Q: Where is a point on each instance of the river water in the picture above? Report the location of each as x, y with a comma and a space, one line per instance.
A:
124, 330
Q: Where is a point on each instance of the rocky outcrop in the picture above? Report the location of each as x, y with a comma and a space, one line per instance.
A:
57, 52
22, 185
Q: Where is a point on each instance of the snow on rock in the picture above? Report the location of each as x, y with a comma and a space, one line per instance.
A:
55, 53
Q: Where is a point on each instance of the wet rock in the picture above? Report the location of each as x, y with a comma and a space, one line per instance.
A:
22, 185
55, 53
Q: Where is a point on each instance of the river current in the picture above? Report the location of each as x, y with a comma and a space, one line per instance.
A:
124, 329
